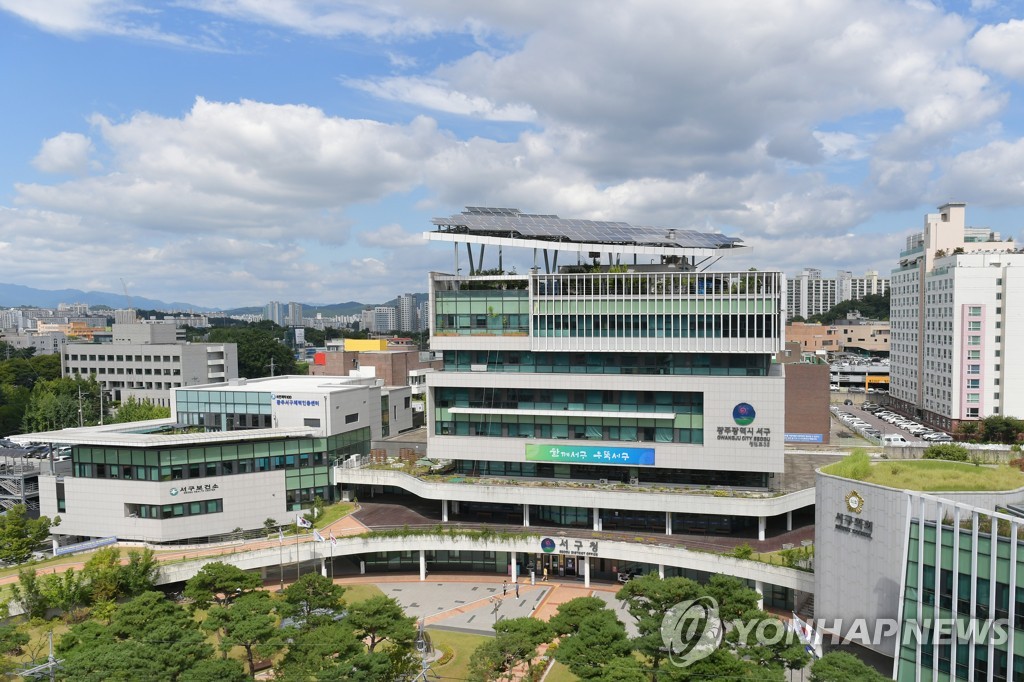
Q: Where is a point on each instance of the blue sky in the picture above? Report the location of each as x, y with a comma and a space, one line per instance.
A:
230, 152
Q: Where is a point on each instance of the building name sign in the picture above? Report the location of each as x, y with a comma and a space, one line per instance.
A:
287, 400
569, 546
755, 437
589, 454
846, 523
193, 489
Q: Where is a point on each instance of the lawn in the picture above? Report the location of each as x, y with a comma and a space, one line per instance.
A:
334, 512
560, 673
357, 592
463, 645
927, 475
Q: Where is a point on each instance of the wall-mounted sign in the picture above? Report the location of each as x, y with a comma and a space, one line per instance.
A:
569, 546
193, 489
287, 400
743, 414
760, 437
854, 525
804, 438
589, 454
854, 502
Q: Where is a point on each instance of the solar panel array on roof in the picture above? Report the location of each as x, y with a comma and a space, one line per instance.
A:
510, 222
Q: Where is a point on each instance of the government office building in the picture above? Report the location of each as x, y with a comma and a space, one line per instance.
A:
613, 393
230, 456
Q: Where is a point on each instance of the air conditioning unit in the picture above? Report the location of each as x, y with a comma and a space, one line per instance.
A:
603, 481
634, 481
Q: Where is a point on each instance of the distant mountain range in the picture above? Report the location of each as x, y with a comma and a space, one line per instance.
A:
12, 295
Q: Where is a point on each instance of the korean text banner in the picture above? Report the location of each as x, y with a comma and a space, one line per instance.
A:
589, 454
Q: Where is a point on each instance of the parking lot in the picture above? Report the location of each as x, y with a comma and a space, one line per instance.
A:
862, 420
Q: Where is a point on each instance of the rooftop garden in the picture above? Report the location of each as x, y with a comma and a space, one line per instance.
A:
927, 475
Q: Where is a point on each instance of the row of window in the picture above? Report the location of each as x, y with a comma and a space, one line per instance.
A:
181, 472
123, 358
614, 474
141, 371
554, 399
173, 511
738, 364
592, 429
657, 326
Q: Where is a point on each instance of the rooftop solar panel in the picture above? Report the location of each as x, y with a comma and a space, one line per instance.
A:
511, 222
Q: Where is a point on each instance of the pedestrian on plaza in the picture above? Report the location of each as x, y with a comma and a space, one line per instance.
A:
504, 587
517, 589
545, 575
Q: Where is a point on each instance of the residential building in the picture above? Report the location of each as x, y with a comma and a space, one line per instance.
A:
807, 396
407, 313
957, 343
50, 343
146, 361
128, 316
385, 319
230, 456
275, 312
858, 336
810, 294
294, 318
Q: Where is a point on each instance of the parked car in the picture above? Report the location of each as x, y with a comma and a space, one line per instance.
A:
893, 439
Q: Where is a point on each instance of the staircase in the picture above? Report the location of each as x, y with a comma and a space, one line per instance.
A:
806, 610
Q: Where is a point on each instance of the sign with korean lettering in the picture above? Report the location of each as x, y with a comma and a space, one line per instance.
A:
296, 402
754, 436
569, 546
194, 489
589, 454
854, 525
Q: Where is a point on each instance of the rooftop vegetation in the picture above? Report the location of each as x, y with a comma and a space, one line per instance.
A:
926, 475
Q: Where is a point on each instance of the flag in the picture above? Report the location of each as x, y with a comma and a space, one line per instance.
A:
302, 523
334, 540
317, 536
810, 637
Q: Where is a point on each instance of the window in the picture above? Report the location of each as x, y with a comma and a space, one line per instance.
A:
973, 383
974, 355
972, 412
974, 369
974, 310
974, 340
352, 418
973, 398
315, 423
974, 326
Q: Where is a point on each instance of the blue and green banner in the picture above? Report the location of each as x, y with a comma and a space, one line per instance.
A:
589, 454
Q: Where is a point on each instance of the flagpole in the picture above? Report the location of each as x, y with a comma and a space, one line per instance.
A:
297, 548
280, 556
332, 556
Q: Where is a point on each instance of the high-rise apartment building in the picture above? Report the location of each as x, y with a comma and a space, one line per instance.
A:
810, 294
275, 312
294, 318
408, 313
957, 349
385, 319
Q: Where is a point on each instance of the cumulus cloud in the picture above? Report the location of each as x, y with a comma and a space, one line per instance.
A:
64, 153
997, 47
991, 175
434, 95
392, 237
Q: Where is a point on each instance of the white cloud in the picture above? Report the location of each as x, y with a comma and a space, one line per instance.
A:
64, 153
392, 237
992, 175
998, 47
434, 95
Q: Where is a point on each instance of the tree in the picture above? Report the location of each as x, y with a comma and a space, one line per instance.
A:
751, 644
29, 595
537, 631
570, 614
626, 669
215, 670
1002, 429
323, 652
67, 591
13, 402
19, 535
251, 623
314, 600
600, 639
132, 410
12, 639
103, 571
381, 619
648, 599
221, 583
139, 574
496, 658
256, 348
55, 404
839, 666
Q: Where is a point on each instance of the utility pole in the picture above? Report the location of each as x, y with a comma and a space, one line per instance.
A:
80, 421
49, 668
271, 365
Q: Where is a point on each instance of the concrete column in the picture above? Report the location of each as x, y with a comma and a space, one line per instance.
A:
444, 511
597, 518
362, 568
661, 571
759, 586
423, 564
515, 567
586, 571
762, 523
526, 515
323, 567
668, 523
263, 573
789, 521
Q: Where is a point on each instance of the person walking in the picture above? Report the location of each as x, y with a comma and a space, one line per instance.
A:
504, 587
517, 589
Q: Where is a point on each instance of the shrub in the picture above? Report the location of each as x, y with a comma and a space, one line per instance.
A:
744, 551
951, 452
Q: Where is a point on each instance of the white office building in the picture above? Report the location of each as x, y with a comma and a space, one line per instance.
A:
408, 314
957, 349
810, 294
385, 319
145, 361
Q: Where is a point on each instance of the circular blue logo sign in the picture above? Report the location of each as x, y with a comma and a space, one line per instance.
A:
743, 414
548, 545
174, 491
